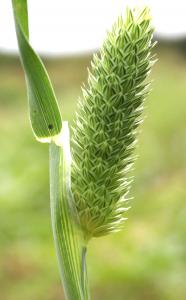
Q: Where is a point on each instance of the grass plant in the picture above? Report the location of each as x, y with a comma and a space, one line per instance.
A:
89, 190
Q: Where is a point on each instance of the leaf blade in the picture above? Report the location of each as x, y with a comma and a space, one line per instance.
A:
45, 115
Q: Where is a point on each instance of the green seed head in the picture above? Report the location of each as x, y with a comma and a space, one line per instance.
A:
109, 113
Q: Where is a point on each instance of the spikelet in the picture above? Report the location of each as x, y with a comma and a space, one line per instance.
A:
104, 133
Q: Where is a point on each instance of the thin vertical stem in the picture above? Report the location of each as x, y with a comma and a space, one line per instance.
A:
84, 277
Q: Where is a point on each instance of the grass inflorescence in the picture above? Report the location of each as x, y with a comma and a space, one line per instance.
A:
108, 117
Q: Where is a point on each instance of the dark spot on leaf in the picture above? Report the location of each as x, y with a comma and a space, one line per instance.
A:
50, 126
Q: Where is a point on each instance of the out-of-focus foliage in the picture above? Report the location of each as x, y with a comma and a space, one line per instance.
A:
145, 261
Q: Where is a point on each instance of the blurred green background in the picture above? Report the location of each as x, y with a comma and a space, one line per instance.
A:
147, 260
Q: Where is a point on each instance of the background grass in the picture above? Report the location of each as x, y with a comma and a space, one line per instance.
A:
145, 261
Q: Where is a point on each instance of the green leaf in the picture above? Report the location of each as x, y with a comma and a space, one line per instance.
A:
44, 111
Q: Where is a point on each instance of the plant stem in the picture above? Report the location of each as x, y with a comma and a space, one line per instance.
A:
84, 273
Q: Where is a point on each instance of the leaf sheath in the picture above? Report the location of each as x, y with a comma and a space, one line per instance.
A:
67, 234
